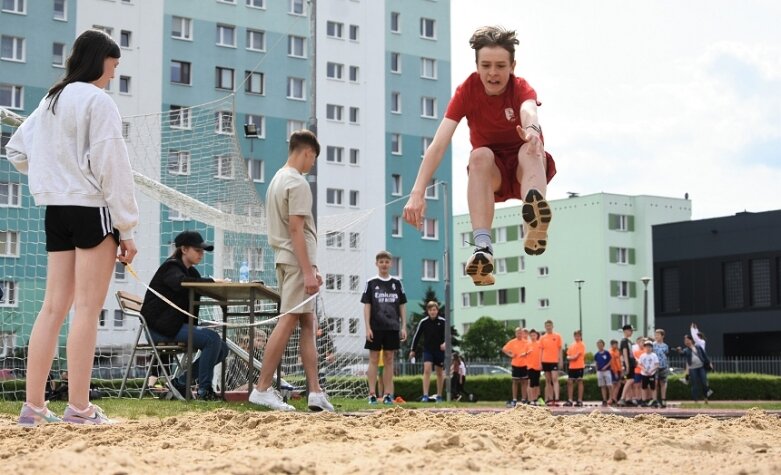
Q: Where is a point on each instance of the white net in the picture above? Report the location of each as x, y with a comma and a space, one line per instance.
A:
190, 174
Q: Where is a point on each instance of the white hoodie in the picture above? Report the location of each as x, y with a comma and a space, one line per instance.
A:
77, 156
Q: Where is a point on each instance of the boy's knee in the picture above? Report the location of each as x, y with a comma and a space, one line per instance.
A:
481, 159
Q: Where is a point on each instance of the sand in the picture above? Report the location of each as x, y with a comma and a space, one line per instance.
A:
523, 440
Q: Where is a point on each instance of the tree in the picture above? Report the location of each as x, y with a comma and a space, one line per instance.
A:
414, 318
485, 338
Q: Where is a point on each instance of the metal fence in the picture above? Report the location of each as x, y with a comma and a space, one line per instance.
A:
738, 364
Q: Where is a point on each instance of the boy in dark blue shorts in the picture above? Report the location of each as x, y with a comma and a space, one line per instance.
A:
432, 329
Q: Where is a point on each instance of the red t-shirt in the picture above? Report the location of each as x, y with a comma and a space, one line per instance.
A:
491, 119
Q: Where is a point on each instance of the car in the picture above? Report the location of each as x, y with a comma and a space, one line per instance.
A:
487, 369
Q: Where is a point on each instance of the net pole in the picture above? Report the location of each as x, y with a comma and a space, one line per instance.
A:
312, 175
448, 318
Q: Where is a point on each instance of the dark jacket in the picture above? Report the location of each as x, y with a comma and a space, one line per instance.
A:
433, 333
687, 353
160, 316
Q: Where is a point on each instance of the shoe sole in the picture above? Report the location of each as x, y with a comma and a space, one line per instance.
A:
480, 269
537, 215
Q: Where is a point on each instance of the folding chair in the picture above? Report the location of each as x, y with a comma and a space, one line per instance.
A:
130, 304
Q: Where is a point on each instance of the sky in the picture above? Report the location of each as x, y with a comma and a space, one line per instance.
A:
644, 97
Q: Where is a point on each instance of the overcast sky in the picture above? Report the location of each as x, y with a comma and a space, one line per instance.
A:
645, 97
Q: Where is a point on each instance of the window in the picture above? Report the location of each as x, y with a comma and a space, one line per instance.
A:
522, 294
256, 258
501, 265
256, 170
124, 38
124, 84
224, 120
395, 102
395, 22
428, 107
353, 35
334, 71
622, 255
396, 267
354, 115
334, 240
621, 222
395, 65
355, 240
428, 28
119, 319
11, 96
521, 263
11, 48
396, 185
297, 7
334, 196
295, 89
354, 73
334, 325
180, 72
256, 40
334, 29
178, 162
9, 244
352, 323
396, 144
256, 3
224, 167
10, 195
465, 299
119, 271
430, 228
618, 320
334, 154
14, 6
259, 122
396, 226
428, 68
430, 269
333, 282
296, 46
623, 289
58, 55
353, 198
732, 273
182, 28
501, 297
102, 318
9, 293
500, 235
542, 271
544, 303
334, 112
760, 282
292, 126
223, 78
179, 117
254, 83
425, 143
355, 156
226, 35
671, 290
60, 10
465, 239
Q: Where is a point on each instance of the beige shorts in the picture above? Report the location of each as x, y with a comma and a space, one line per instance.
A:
290, 280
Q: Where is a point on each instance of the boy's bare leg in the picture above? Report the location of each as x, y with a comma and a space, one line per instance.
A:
531, 174
569, 389
580, 390
525, 389
514, 387
275, 347
309, 351
484, 178
371, 372
556, 389
663, 389
440, 380
426, 377
387, 372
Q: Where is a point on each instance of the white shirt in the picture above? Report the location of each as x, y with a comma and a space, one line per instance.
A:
649, 363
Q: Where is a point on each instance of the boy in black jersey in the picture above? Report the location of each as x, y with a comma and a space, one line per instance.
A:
385, 320
432, 329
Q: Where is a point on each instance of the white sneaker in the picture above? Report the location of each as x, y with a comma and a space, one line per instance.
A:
319, 402
269, 398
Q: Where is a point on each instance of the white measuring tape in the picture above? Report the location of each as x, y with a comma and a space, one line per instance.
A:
209, 323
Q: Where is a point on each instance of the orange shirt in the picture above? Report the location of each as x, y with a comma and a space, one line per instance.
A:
518, 348
577, 348
551, 347
534, 359
637, 357
615, 360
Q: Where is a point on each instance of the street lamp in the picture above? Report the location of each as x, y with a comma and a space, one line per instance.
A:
645, 281
580, 283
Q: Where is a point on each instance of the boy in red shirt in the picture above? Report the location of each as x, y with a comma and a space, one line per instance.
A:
507, 158
576, 355
518, 349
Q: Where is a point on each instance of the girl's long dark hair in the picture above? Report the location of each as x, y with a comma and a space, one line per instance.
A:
85, 64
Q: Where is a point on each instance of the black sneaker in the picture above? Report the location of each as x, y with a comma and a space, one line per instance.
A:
537, 216
663, 404
568, 403
208, 395
480, 267
579, 404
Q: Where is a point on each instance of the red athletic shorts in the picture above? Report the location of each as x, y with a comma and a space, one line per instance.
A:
507, 161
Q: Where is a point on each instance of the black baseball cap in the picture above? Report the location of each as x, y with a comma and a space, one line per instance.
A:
192, 239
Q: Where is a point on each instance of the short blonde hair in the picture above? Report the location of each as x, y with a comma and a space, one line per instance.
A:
432, 304
383, 255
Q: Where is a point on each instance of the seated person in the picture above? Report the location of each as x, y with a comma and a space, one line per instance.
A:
169, 324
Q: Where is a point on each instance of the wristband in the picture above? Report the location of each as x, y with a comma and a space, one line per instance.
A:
534, 127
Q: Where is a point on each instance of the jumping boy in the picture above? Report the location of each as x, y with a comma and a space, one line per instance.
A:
602, 359
507, 159
385, 320
576, 355
518, 349
292, 235
432, 329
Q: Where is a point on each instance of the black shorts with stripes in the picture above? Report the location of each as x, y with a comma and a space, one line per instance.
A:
69, 227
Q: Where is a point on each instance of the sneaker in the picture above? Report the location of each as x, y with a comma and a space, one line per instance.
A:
604, 403
387, 399
537, 215
567, 404
208, 395
579, 404
319, 402
540, 401
425, 398
438, 398
663, 404
524, 401
92, 415
29, 417
654, 403
710, 392
511, 404
480, 267
269, 398
372, 399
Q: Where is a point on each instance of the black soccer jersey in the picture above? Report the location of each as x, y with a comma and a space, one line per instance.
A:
386, 297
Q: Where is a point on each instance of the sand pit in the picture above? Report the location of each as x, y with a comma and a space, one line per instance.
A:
526, 440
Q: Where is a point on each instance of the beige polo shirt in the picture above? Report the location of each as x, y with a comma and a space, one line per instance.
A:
289, 194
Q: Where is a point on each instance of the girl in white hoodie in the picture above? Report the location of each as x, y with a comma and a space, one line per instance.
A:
72, 150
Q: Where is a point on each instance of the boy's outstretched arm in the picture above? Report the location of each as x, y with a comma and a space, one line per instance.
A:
415, 210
